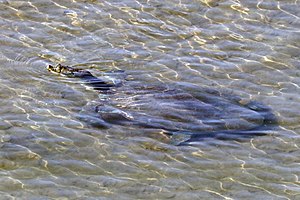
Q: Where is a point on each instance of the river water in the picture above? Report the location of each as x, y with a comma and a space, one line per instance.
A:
247, 48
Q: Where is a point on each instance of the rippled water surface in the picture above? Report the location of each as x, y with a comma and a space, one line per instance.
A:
48, 150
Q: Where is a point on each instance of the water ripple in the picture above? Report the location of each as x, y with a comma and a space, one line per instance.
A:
244, 48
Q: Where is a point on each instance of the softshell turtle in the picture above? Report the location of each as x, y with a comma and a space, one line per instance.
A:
205, 114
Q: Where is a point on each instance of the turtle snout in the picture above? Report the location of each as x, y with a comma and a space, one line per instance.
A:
49, 67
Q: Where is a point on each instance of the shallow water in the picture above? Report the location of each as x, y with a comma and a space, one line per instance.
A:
249, 49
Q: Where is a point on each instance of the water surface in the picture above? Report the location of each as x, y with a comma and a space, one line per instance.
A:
249, 49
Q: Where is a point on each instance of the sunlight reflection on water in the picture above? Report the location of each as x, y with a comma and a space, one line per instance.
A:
249, 49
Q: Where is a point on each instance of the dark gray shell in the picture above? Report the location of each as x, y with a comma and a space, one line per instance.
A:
177, 110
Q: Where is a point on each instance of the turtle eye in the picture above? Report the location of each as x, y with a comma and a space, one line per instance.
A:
59, 68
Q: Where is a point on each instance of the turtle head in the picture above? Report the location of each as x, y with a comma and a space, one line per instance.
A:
68, 71
56, 69
61, 69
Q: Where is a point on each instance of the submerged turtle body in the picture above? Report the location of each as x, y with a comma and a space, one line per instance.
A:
176, 111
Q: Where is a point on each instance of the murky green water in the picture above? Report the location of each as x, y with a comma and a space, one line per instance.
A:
247, 48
